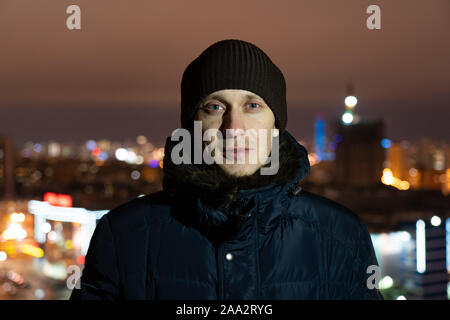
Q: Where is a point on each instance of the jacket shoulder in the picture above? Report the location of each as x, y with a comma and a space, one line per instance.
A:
336, 220
144, 210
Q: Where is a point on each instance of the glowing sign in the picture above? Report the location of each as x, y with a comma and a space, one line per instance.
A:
60, 200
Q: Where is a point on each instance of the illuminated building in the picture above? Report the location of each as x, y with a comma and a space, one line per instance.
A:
432, 258
322, 146
359, 154
44, 211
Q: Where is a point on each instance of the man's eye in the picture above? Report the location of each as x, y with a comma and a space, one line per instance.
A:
254, 106
213, 107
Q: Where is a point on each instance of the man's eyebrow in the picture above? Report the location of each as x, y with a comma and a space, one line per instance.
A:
214, 97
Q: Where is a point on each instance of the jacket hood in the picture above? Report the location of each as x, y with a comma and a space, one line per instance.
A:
216, 195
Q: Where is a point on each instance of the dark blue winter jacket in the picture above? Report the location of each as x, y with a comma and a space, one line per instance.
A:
275, 241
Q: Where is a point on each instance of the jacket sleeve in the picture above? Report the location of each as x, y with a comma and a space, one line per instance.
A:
100, 277
365, 257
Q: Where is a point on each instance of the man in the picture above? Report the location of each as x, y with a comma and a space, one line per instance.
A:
226, 230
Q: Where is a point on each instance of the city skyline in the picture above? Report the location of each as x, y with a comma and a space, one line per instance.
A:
119, 76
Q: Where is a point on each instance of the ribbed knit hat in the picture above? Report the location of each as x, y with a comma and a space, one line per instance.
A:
233, 64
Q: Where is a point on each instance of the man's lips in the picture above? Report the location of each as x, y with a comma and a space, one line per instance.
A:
238, 149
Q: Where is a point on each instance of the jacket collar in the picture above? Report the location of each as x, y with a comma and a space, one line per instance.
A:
206, 198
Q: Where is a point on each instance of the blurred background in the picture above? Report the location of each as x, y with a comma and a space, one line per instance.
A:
84, 115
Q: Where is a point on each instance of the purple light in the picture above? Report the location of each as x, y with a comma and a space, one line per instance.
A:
91, 144
153, 163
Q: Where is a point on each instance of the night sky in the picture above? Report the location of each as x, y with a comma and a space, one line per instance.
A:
119, 76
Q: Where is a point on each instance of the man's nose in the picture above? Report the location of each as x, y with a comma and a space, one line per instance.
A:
233, 124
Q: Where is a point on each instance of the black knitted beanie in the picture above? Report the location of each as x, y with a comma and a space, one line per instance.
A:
233, 64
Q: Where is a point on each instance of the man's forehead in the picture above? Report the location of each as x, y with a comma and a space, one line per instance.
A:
242, 94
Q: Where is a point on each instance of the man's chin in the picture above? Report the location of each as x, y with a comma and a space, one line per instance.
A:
239, 170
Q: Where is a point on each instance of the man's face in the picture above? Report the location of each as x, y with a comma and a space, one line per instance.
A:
234, 112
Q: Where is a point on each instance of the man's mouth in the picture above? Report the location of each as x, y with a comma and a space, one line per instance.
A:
237, 152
